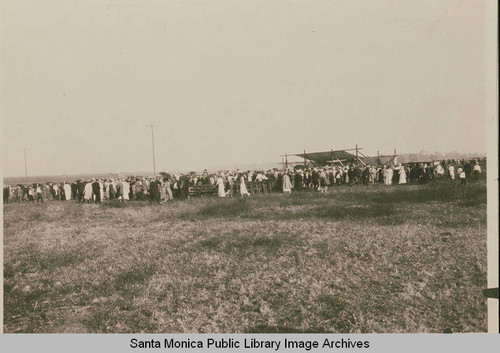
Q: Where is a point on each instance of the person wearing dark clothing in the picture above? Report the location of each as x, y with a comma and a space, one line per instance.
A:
205, 180
380, 175
395, 178
183, 187
359, 174
418, 174
271, 180
19, 193
154, 191
52, 191
119, 190
80, 188
365, 175
331, 178
6, 194
112, 190
428, 174
351, 173
299, 180
468, 168
176, 187
315, 179
279, 182
74, 190
96, 190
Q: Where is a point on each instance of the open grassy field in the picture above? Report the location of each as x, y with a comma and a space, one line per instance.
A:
358, 259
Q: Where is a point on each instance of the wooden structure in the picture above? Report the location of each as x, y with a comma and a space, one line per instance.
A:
202, 190
253, 187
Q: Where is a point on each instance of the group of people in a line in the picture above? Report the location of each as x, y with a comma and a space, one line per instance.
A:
463, 170
165, 187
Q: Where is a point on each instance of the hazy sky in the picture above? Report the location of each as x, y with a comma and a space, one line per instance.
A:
235, 81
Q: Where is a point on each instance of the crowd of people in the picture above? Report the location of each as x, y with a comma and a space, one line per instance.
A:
167, 187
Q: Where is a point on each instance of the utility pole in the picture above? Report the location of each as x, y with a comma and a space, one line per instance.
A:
153, 145
25, 165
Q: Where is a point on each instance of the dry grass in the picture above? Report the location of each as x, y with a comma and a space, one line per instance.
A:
374, 259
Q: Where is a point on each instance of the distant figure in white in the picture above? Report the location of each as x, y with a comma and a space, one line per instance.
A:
67, 191
402, 173
384, 174
87, 192
439, 170
243, 187
461, 175
323, 181
101, 188
220, 186
451, 172
388, 173
125, 189
477, 171
287, 184
230, 182
373, 174
56, 191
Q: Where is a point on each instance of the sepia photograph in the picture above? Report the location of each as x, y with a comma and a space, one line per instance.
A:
247, 167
